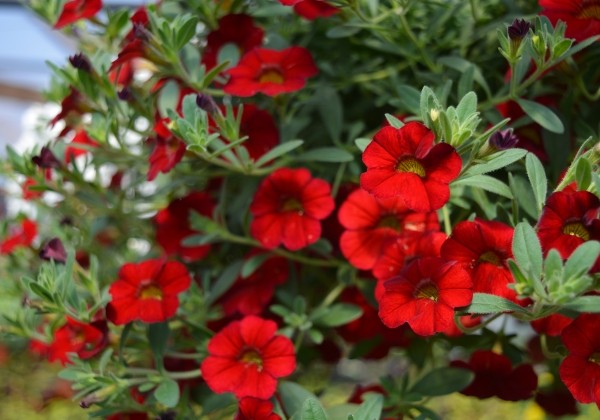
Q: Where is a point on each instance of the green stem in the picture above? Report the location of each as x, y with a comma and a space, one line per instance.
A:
447, 224
469, 330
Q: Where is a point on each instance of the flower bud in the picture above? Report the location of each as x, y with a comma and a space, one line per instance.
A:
54, 250
502, 140
81, 62
434, 114
206, 103
46, 159
517, 31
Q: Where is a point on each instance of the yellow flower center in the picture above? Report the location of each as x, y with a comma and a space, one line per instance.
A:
411, 165
590, 11
427, 290
292, 204
252, 357
490, 257
576, 229
151, 292
595, 358
390, 221
270, 75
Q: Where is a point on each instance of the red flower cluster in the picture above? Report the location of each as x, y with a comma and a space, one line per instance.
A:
247, 357
77, 9
147, 291
581, 16
311, 9
21, 236
288, 208
405, 163
270, 72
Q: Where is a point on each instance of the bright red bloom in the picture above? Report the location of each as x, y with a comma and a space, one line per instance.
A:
77, 9
270, 72
569, 219
236, 29
246, 358
288, 208
168, 150
86, 340
424, 295
311, 9
255, 409
581, 16
580, 370
147, 291
371, 223
173, 226
27, 192
81, 138
21, 236
552, 325
483, 248
405, 163
261, 129
495, 376
250, 295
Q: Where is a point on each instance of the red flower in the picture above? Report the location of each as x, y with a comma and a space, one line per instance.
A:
261, 129
81, 138
288, 208
483, 248
425, 295
21, 236
495, 376
311, 9
77, 9
255, 409
173, 226
581, 16
371, 223
250, 295
86, 340
246, 358
73, 106
552, 325
569, 219
27, 192
405, 163
168, 150
580, 370
270, 72
238, 30
147, 291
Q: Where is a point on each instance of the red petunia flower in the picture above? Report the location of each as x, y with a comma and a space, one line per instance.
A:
495, 376
77, 9
81, 138
569, 219
270, 72
311, 9
247, 357
255, 409
250, 295
483, 248
581, 16
424, 295
168, 150
147, 291
73, 106
288, 208
552, 325
236, 29
405, 163
86, 340
21, 236
580, 370
371, 223
261, 129
173, 226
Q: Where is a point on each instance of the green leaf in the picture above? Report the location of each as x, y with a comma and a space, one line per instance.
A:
580, 46
186, 32
331, 110
158, 336
542, 115
527, 250
443, 381
465, 83
410, 97
167, 393
229, 53
467, 106
484, 303
393, 121
582, 259
224, 281
583, 173
278, 151
312, 410
339, 314
487, 183
342, 31
326, 154
462, 65
252, 264
537, 178
370, 409
496, 161
582, 304
362, 144
293, 396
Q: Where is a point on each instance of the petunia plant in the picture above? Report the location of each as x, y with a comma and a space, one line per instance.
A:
313, 209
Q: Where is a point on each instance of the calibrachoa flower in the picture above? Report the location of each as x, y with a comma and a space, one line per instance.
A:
77, 9
424, 295
81, 138
261, 129
173, 226
255, 409
552, 325
371, 224
311, 9
238, 30
73, 106
86, 340
270, 72
495, 376
569, 219
147, 291
580, 370
288, 208
247, 357
581, 16
405, 163
168, 150
483, 248
21, 236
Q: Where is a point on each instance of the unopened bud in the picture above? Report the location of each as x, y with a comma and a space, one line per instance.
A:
81, 62
206, 103
434, 114
46, 159
502, 140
